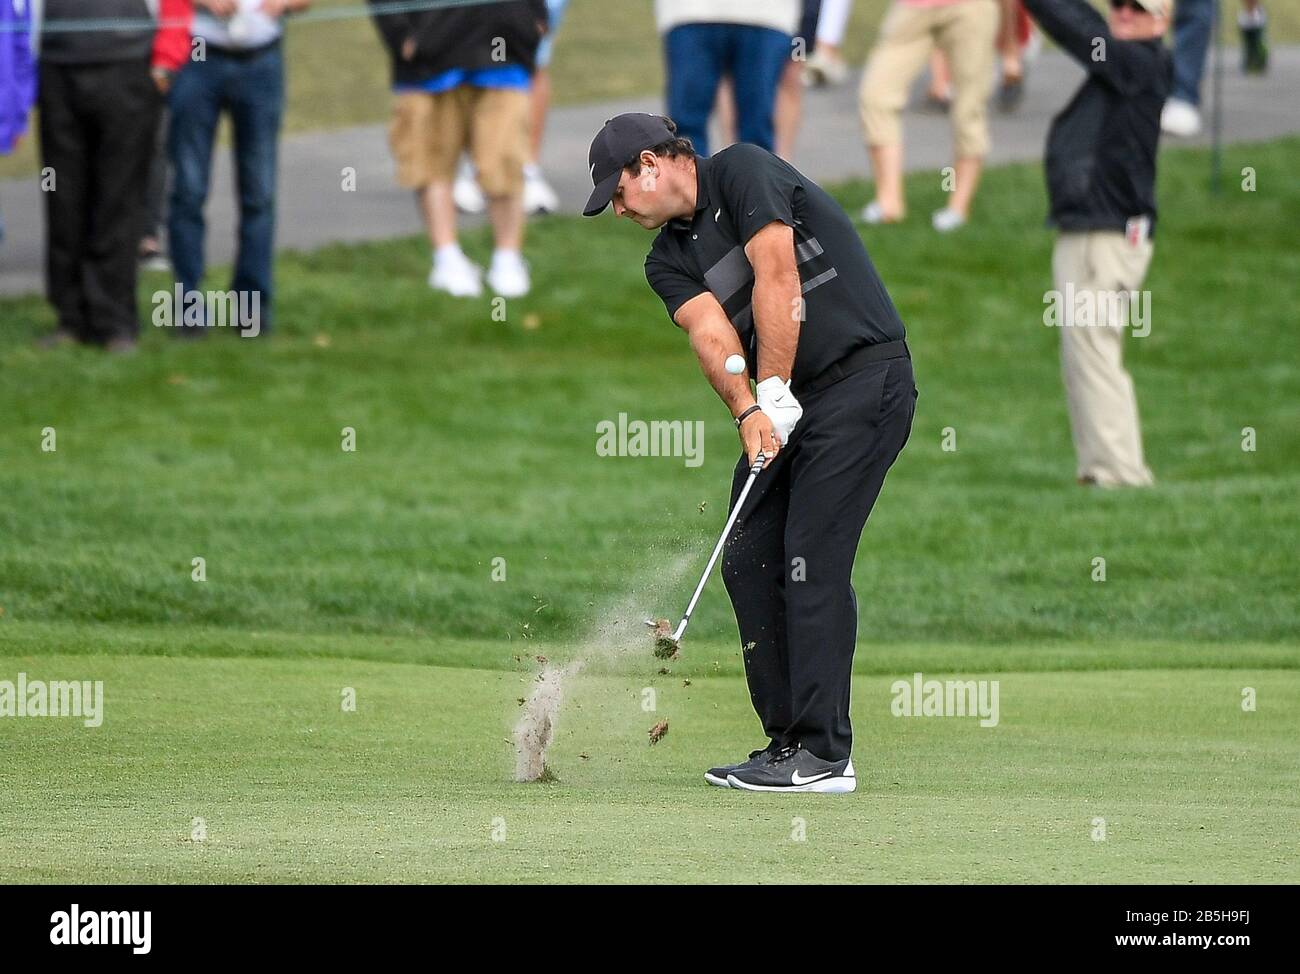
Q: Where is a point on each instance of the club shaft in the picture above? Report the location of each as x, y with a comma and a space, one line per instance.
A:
717, 549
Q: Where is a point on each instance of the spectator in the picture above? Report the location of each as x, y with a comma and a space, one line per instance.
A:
1193, 24
241, 72
1015, 39
539, 197
826, 67
98, 113
965, 30
171, 50
461, 80
1101, 173
17, 75
788, 111
707, 39
1252, 21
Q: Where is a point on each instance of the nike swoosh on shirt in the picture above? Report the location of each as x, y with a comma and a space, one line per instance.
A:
798, 779
718, 214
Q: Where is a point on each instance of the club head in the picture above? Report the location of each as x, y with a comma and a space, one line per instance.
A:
667, 642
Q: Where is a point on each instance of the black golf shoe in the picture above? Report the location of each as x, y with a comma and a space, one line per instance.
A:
795, 769
718, 776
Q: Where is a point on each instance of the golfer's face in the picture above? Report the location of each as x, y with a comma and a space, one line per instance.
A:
638, 199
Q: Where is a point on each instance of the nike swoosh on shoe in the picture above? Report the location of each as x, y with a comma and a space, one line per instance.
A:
797, 779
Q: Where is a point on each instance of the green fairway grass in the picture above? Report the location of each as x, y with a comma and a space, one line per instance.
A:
413, 787
476, 441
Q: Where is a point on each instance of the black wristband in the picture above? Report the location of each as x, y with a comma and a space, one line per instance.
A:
745, 415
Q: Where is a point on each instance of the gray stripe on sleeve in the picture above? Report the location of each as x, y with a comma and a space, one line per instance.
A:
731, 273
819, 280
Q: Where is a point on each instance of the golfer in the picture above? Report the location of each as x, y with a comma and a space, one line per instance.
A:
753, 258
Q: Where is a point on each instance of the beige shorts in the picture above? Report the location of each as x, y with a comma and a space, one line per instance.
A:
428, 133
965, 32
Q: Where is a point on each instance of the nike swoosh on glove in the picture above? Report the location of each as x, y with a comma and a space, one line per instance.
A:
780, 406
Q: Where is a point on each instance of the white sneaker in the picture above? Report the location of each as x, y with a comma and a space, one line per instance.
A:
538, 195
456, 274
824, 70
508, 275
465, 191
1180, 119
873, 214
946, 220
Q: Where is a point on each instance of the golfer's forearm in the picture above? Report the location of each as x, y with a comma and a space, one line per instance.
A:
777, 300
778, 313
712, 346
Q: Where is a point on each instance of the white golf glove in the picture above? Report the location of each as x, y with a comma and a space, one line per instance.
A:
780, 406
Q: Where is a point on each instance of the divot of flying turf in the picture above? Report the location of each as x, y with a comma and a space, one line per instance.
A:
535, 729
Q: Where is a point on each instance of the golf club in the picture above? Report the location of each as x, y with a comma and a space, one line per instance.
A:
667, 643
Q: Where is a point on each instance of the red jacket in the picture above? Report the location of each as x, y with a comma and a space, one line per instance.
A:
171, 45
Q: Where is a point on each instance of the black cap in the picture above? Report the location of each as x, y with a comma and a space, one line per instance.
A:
618, 143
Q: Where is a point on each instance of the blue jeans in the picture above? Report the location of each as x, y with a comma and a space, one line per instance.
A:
251, 89
698, 55
1193, 21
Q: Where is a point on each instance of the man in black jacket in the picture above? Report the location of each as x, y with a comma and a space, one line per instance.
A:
461, 77
98, 113
1101, 172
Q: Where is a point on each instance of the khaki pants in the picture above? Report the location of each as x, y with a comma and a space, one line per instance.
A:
428, 133
965, 32
1098, 390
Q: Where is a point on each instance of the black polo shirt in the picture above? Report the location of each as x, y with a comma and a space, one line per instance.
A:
742, 189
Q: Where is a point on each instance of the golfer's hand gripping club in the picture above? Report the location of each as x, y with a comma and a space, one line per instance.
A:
758, 436
780, 406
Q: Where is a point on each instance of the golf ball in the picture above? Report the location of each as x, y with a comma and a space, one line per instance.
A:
735, 364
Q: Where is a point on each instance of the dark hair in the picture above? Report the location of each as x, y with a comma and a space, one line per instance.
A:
676, 148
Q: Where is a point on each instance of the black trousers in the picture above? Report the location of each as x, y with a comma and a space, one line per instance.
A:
788, 563
97, 135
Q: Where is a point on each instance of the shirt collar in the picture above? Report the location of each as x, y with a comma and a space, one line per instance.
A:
701, 196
